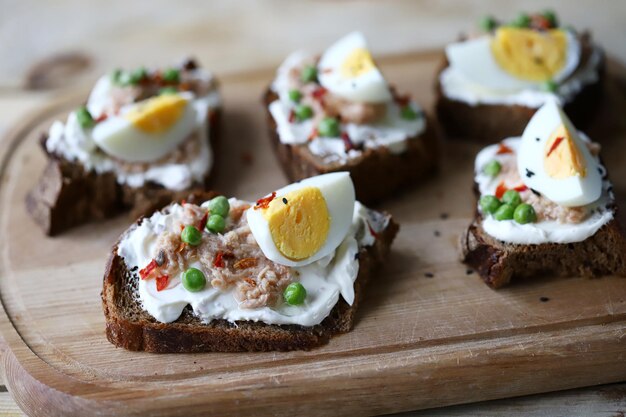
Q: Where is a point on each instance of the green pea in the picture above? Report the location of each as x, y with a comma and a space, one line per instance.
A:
550, 86
216, 223
116, 75
512, 198
303, 112
294, 294
487, 23
329, 128
504, 212
550, 16
295, 95
137, 75
191, 235
308, 74
219, 205
85, 120
492, 168
489, 204
521, 21
171, 75
408, 113
194, 280
525, 213
168, 90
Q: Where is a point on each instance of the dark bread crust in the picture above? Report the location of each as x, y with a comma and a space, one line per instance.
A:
498, 262
128, 326
493, 122
67, 195
376, 175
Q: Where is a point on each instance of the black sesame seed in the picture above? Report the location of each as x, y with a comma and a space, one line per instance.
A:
284, 200
357, 256
437, 233
134, 269
529, 173
535, 192
538, 139
429, 275
469, 271
544, 299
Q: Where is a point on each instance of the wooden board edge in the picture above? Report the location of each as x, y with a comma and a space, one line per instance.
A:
584, 356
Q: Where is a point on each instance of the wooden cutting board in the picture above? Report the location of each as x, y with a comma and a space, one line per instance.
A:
429, 333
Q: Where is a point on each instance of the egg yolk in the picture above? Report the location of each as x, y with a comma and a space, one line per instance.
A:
299, 222
157, 115
528, 54
562, 158
357, 63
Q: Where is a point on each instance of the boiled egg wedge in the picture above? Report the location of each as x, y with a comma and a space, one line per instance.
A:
554, 160
347, 70
147, 130
516, 58
304, 222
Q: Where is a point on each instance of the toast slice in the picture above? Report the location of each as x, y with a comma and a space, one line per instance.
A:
499, 262
494, 122
68, 195
377, 174
130, 327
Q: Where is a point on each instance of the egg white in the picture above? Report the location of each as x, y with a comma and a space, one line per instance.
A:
369, 87
474, 59
118, 137
569, 192
338, 191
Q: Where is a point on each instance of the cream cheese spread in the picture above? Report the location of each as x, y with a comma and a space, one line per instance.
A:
545, 231
73, 143
325, 280
391, 132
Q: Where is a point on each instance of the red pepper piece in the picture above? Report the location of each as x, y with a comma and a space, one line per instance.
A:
556, 143
203, 221
319, 93
500, 190
369, 226
101, 118
218, 262
346, 141
521, 188
145, 272
502, 149
161, 282
264, 202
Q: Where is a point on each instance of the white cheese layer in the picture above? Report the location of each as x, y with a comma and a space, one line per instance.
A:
456, 86
391, 132
324, 280
73, 143
546, 231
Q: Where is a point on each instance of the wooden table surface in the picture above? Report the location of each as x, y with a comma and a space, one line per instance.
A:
46, 47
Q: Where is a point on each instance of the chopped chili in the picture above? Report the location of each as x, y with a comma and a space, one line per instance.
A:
313, 134
101, 118
203, 221
556, 143
292, 116
161, 282
245, 263
145, 272
521, 188
502, 149
347, 141
372, 231
264, 202
403, 100
218, 262
319, 93
500, 190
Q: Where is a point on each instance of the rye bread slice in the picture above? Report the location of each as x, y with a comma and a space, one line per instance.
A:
378, 174
493, 122
67, 195
130, 327
499, 262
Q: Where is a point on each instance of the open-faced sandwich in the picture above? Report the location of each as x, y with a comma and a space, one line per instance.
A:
227, 275
545, 206
144, 138
492, 82
338, 113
